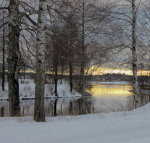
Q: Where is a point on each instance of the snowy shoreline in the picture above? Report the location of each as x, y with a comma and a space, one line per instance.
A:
27, 91
50, 97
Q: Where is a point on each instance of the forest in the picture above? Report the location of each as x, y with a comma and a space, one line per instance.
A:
59, 38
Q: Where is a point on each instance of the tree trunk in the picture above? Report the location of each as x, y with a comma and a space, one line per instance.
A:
13, 59
56, 75
62, 72
83, 108
2, 112
70, 75
39, 114
55, 107
55, 65
70, 61
137, 100
3, 71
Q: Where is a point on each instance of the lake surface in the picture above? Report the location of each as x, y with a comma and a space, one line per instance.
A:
105, 97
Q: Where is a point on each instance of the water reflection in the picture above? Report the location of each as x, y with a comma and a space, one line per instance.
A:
104, 89
101, 93
4, 108
53, 107
106, 96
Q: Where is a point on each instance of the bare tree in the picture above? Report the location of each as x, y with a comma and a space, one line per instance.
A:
126, 39
13, 58
134, 57
39, 114
4, 40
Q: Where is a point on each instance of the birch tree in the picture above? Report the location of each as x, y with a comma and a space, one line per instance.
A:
13, 58
134, 57
39, 114
127, 38
3, 72
4, 43
14, 24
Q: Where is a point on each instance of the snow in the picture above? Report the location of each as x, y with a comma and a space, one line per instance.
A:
115, 127
27, 91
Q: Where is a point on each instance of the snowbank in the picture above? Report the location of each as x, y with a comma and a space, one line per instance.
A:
27, 91
116, 127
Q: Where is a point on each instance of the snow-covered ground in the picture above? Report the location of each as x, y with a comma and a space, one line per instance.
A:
115, 127
27, 91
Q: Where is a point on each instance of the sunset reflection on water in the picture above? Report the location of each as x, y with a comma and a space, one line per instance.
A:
104, 89
109, 92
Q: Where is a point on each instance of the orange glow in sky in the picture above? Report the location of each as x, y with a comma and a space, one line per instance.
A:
102, 70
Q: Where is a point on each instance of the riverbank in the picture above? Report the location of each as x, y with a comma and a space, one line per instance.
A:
115, 127
27, 91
